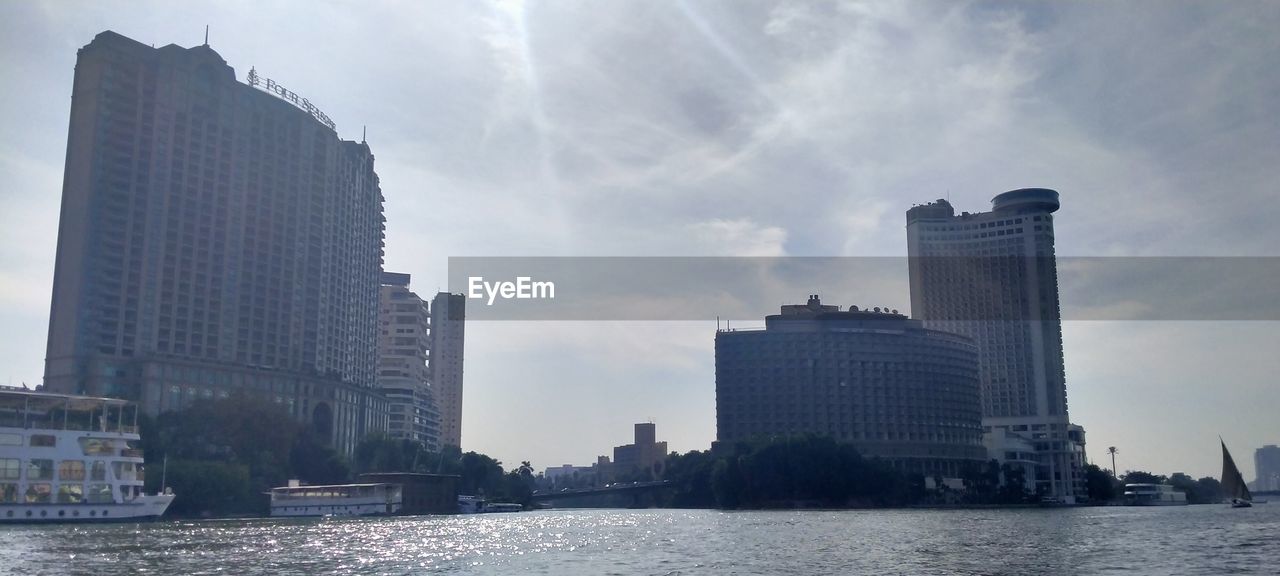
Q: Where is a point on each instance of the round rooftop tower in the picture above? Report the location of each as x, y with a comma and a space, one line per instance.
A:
1026, 199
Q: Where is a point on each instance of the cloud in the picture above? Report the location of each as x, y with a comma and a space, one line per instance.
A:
740, 237
644, 128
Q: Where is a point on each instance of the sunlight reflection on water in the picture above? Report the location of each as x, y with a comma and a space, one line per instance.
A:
1185, 540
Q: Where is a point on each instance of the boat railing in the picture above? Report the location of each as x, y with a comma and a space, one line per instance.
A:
131, 453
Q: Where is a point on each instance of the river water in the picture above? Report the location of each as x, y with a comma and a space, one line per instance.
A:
1113, 540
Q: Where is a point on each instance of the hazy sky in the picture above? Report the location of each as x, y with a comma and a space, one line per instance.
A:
738, 128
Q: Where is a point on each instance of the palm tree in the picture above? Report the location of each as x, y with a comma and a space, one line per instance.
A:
1112, 451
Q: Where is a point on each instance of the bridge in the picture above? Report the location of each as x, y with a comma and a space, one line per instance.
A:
634, 489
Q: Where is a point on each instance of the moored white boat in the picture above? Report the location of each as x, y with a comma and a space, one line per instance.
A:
478, 505
70, 458
1153, 495
373, 499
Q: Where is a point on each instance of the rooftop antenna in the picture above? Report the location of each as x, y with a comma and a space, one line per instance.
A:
364, 131
206, 34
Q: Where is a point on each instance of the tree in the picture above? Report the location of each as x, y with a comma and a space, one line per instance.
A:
800, 470
1209, 491
1203, 491
1142, 477
690, 474
1099, 484
378, 452
1014, 488
224, 454
209, 488
314, 463
480, 475
982, 482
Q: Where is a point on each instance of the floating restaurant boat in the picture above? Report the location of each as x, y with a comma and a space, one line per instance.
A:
71, 459
372, 499
1153, 495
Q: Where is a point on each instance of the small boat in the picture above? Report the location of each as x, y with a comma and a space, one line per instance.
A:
478, 505
1232, 482
470, 504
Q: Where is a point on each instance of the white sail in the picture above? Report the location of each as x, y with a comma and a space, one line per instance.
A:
1232, 482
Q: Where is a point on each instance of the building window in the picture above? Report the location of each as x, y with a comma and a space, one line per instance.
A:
71, 470
10, 468
38, 493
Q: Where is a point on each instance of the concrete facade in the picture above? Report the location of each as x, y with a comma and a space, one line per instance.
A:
448, 331
992, 276
404, 339
876, 379
1266, 461
644, 455
213, 237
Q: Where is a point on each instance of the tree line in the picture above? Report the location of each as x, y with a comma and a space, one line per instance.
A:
1104, 487
222, 456
818, 471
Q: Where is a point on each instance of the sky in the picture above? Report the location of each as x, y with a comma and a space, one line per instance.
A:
789, 128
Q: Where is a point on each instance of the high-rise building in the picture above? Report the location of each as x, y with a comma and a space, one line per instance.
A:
873, 378
404, 338
992, 276
215, 236
448, 321
1266, 462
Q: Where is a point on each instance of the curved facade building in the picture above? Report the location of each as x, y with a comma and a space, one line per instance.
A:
878, 380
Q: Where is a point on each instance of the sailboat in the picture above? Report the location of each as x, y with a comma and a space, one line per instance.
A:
1232, 482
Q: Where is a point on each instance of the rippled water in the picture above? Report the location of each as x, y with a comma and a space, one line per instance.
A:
1176, 540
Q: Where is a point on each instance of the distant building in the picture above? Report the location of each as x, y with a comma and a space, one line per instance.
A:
569, 473
645, 456
1266, 461
992, 276
448, 328
404, 324
875, 379
214, 237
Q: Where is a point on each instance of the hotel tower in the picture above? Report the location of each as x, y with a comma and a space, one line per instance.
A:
992, 276
216, 237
